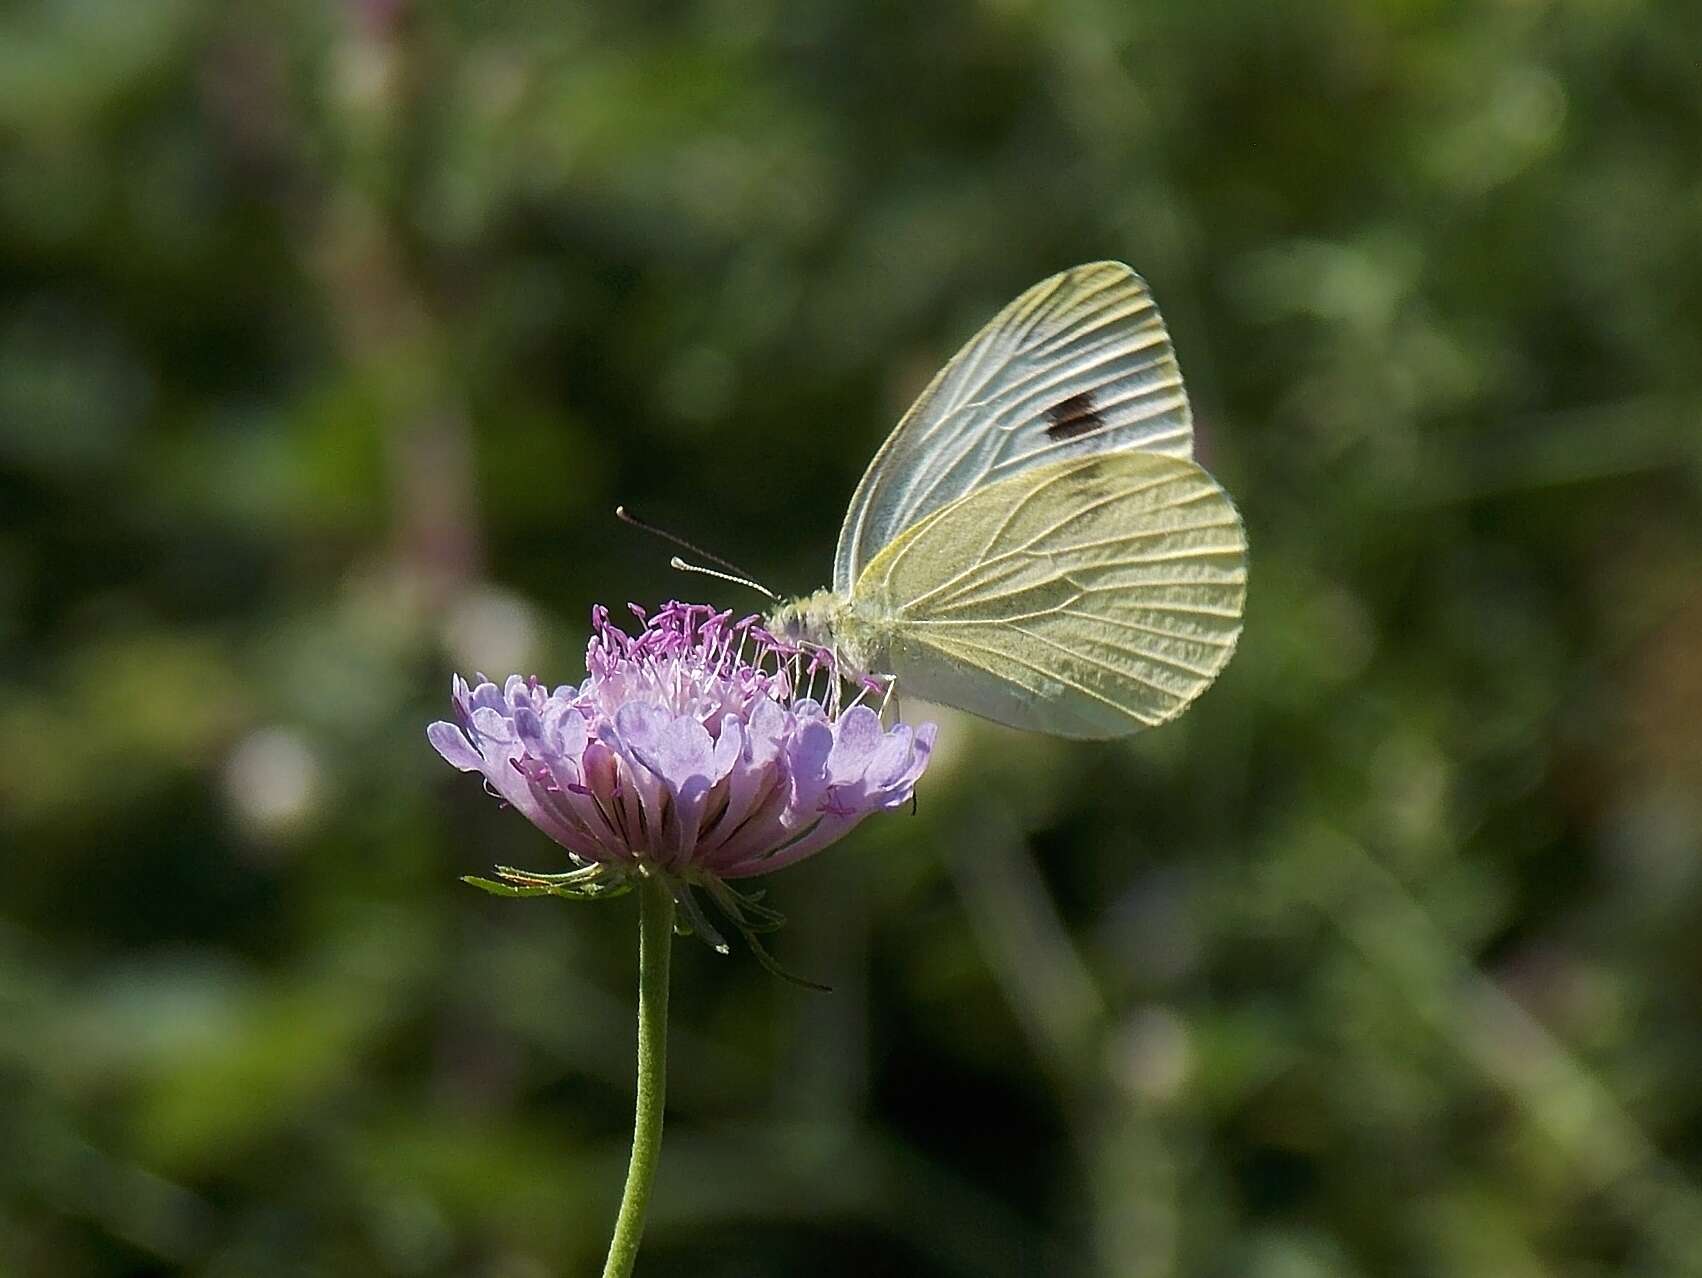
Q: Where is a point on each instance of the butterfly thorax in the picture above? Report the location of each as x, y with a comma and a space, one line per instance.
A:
852, 631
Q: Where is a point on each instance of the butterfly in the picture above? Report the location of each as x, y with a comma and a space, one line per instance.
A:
1034, 543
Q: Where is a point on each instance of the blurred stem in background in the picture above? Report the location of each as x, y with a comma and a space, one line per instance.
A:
387, 322
655, 944
1125, 1165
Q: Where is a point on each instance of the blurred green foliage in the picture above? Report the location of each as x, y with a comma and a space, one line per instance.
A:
331, 334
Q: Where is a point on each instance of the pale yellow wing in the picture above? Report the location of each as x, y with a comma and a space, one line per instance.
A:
1089, 597
1080, 363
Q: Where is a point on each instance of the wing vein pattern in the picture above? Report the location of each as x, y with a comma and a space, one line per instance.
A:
1108, 595
1080, 364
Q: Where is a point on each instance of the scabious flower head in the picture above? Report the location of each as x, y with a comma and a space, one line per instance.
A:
696, 749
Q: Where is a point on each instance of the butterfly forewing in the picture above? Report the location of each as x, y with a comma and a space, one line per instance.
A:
1088, 597
1079, 364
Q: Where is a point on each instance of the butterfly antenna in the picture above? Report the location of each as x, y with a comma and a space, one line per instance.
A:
627, 517
683, 566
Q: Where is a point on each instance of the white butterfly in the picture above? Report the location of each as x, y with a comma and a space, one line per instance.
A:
1033, 543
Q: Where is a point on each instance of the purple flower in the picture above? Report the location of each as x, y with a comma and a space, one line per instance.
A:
695, 750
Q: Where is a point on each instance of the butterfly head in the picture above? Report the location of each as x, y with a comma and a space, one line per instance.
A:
810, 620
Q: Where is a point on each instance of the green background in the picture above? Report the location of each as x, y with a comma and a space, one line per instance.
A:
329, 338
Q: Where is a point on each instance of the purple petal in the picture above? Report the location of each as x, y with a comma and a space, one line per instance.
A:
766, 732
677, 749
895, 790
602, 778
825, 832
855, 745
729, 748
453, 745
806, 758
529, 728
683, 752
890, 759
488, 696
761, 827
564, 729
638, 729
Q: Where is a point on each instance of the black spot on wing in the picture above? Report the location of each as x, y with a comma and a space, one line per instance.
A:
1074, 416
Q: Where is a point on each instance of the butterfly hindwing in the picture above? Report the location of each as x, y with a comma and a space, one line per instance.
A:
1088, 597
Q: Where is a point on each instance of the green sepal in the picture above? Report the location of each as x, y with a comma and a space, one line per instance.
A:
772, 966
502, 889
751, 918
588, 883
693, 921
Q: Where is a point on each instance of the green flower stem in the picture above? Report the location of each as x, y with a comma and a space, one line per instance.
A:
655, 941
